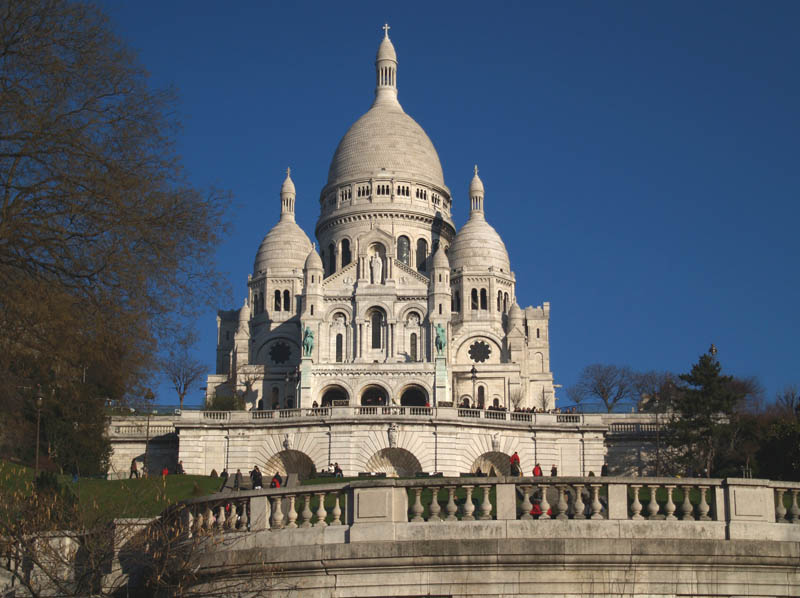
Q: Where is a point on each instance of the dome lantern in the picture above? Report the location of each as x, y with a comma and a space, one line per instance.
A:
476, 194
287, 197
386, 70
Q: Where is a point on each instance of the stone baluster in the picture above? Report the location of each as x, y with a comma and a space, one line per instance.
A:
277, 513
578, 506
321, 513
244, 519
669, 508
545, 506
525, 509
562, 505
780, 508
220, 522
703, 508
306, 513
337, 510
416, 508
435, 508
795, 509
230, 516
686, 506
597, 506
652, 506
198, 521
468, 508
291, 516
486, 505
450, 509
208, 517
187, 522
636, 506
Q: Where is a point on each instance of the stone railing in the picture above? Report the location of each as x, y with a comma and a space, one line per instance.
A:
667, 507
283, 416
141, 430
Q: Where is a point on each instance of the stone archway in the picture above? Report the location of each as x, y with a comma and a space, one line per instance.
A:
413, 396
289, 462
333, 393
374, 395
394, 462
495, 461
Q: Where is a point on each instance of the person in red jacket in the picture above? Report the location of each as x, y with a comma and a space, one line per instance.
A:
537, 471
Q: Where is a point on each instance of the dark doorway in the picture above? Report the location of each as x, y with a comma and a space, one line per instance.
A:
373, 395
333, 393
414, 396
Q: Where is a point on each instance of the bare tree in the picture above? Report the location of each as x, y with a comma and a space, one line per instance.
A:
182, 369
103, 240
788, 401
610, 385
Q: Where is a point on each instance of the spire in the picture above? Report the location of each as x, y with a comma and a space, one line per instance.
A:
287, 196
476, 194
386, 70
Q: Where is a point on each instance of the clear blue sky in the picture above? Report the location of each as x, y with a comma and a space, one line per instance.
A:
640, 159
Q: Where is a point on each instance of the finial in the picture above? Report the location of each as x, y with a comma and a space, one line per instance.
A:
289, 170
386, 30
476, 170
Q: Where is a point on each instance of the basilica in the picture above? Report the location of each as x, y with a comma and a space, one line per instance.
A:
394, 306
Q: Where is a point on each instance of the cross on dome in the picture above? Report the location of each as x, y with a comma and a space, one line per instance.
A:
386, 30
476, 170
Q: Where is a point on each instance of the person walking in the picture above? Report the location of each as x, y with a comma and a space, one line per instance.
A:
237, 480
554, 471
276, 481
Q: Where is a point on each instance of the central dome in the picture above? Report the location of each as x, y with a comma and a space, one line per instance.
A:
386, 141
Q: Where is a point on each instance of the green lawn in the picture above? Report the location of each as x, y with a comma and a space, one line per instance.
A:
116, 498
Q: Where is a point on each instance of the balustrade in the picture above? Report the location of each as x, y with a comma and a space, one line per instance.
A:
787, 509
217, 415
474, 499
671, 501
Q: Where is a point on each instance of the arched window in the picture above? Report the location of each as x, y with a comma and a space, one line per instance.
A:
499, 300
537, 333
456, 301
312, 309
331, 259
339, 348
474, 299
255, 303
277, 301
346, 257
422, 254
412, 350
287, 303
505, 302
261, 302
481, 397
484, 302
377, 325
404, 250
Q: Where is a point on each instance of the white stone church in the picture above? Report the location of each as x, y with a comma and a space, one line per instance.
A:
399, 347
391, 269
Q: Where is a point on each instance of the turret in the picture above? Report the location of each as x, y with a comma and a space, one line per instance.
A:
287, 197
476, 194
313, 273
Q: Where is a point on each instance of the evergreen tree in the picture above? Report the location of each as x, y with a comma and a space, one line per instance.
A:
703, 413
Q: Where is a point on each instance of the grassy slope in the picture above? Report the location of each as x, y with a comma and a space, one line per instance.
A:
117, 498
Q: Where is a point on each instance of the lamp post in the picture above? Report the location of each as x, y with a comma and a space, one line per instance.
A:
39, 401
713, 351
473, 373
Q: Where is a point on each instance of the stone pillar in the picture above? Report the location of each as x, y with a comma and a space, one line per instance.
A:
441, 390
304, 398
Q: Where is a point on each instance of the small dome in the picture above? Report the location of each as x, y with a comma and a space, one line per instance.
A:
386, 50
288, 183
285, 247
515, 313
313, 261
478, 246
476, 186
440, 259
